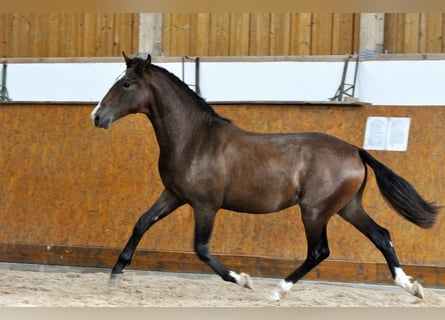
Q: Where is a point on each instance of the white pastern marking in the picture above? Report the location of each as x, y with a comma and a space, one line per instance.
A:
235, 276
402, 279
285, 286
280, 292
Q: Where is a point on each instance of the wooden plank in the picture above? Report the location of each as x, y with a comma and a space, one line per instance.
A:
180, 34
400, 33
166, 33
133, 26
434, 32
259, 34
443, 33
35, 47
168, 59
329, 270
119, 24
104, 37
422, 33
389, 34
239, 34
356, 33
54, 25
150, 32
89, 35
219, 34
371, 33
301, 34
200, 33
321, 33
71, 40
280, 29
411, 35
343, 33
394, 35
5, 34
21, 39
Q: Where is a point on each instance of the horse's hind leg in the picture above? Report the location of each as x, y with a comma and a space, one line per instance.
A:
317, 251
204, 220
166, 204
354, 213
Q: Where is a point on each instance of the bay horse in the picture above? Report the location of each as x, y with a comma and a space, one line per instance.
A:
209, 163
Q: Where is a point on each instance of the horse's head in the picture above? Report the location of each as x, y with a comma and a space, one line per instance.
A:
127, 95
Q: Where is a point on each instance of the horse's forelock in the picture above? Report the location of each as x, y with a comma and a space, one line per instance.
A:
137, 64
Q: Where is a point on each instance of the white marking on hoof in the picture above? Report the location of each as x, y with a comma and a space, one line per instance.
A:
242, 279
281, 291
116, 277
404, 281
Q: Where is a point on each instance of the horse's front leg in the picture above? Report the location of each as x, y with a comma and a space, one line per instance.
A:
204, 220
165, 205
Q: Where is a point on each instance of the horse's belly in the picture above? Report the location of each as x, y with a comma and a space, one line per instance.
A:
261, 196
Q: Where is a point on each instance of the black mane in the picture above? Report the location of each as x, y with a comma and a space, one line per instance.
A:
201, 102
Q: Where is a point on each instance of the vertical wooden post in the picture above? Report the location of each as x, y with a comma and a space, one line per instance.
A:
371, 34
150, 34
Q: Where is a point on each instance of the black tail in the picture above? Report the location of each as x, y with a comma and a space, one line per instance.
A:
401, 195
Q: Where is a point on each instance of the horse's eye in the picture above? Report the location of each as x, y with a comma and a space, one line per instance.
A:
126, 84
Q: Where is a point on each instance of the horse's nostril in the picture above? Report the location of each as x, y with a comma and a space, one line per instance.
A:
96, 120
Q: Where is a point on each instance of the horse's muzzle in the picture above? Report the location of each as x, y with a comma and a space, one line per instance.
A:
101, 122
98, 120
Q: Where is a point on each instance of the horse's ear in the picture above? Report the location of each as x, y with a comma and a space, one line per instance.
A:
127, 59
147, 61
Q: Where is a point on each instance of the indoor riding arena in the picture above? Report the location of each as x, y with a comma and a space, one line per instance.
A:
72, 193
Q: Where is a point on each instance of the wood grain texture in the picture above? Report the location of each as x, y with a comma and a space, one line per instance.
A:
213, 34
262, 34
67, 183
68, 34
414, 33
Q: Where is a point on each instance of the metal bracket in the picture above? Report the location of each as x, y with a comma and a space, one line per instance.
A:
196, 61
4, 96
346, 89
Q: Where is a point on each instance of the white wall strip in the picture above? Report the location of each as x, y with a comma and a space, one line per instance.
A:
416, 82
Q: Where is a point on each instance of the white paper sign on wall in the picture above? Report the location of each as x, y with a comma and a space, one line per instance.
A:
387, 133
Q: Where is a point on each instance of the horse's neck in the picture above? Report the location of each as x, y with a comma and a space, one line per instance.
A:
176, 119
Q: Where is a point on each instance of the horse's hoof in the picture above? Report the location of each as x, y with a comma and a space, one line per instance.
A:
245, 281
281, 291
417, 290
276, 295
115, 277
242, 279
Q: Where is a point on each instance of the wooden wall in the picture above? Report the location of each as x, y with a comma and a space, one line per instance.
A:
213, 34
68, 34
71, 194
260, 34
414, 33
